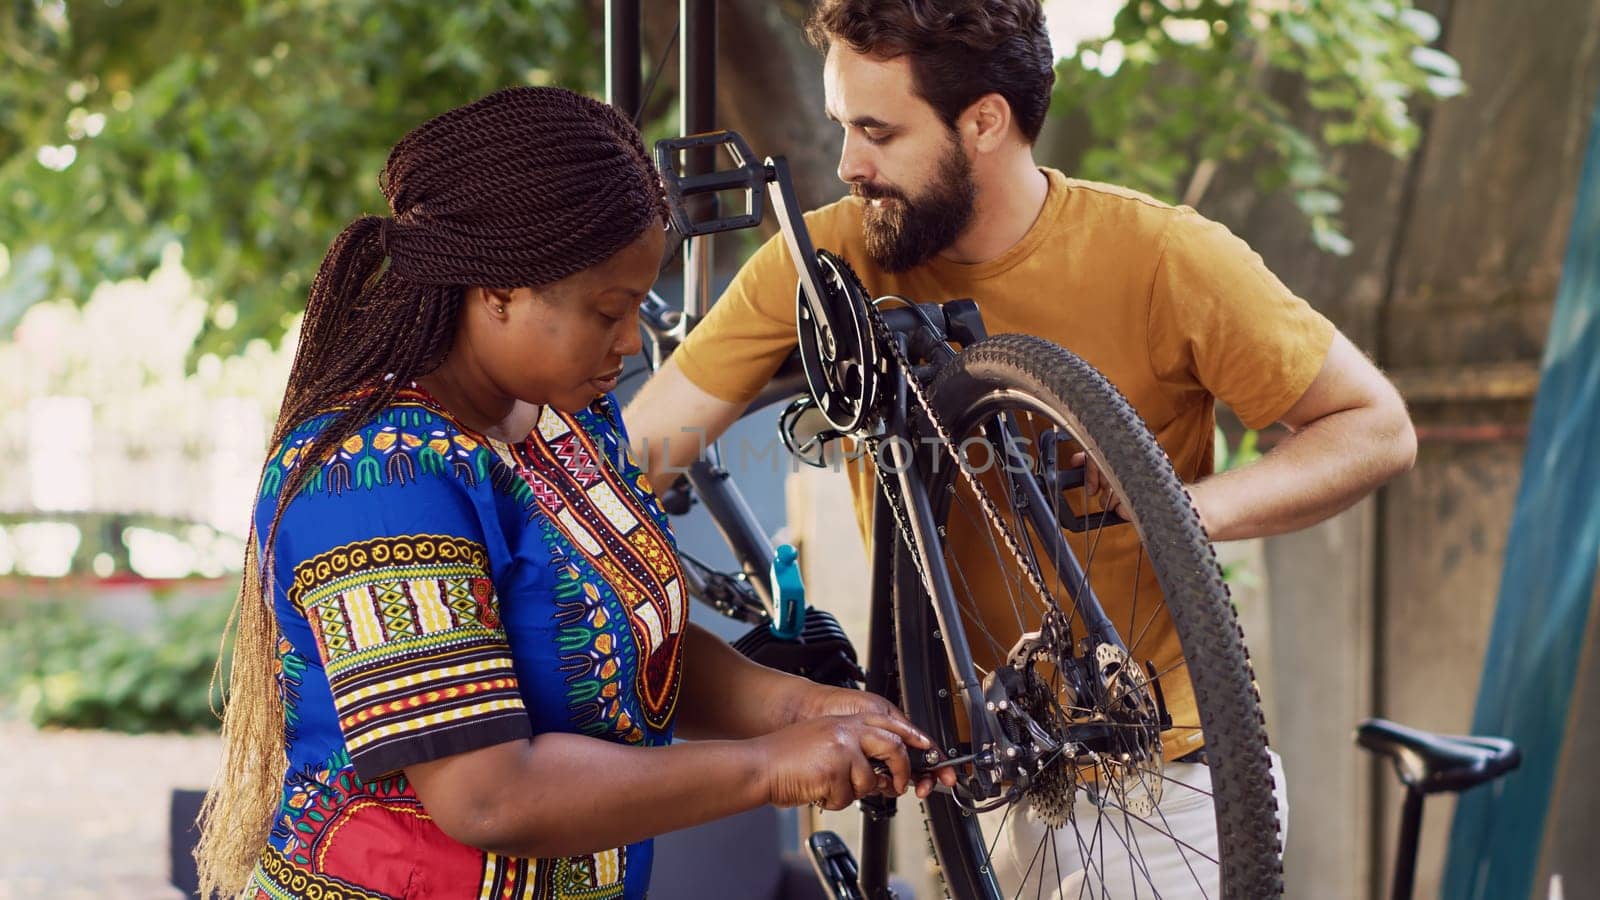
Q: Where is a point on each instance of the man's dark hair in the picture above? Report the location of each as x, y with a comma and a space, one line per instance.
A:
959, 50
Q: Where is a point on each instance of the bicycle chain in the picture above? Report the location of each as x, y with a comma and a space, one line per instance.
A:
886, 337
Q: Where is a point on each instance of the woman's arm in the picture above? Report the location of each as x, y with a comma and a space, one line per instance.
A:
564, 794
726, 695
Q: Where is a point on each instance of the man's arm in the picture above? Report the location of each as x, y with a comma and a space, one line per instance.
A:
1350, 433
671, 420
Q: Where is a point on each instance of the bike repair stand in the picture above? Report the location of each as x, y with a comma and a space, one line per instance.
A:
831, 856
799, 639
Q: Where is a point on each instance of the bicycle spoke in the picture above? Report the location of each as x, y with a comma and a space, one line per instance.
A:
1055, 854
1087, 701
1169, 835
983, 526
1184, 856
1037, 853
1085, 853
1099, 833
1130, 845
1133, 611
1160, 673
1000, 830
1128, 841
1014, 588
1132, 841
1154, 614
971, 613
1093, 854
1181, 844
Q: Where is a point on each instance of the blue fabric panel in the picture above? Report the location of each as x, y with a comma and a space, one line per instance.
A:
1547, 584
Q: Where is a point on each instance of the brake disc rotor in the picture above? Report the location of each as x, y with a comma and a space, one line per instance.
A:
1130, 779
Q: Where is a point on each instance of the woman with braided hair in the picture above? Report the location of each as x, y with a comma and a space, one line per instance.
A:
462, 643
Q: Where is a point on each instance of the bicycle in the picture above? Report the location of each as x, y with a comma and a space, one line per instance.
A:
1428, 763
987, 624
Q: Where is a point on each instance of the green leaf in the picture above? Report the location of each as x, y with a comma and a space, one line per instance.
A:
1422, 23
1436, 61
1318, 203
252, 133
1299, 30
1444, 87
1331, 240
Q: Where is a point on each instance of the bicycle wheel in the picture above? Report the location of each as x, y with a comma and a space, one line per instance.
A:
1103, 807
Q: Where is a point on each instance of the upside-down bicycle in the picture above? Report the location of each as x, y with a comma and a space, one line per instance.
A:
990, 562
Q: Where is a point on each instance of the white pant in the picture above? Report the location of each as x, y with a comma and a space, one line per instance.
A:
1127, 856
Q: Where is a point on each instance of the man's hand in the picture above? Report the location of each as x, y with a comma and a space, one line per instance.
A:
1095, 485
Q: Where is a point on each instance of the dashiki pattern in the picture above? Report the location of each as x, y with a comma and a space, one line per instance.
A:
438, 592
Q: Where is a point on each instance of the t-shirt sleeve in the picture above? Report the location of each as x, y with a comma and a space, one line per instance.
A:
1222, 323
394, 579
750, 330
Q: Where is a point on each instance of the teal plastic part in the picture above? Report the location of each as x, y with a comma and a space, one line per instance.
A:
789, 592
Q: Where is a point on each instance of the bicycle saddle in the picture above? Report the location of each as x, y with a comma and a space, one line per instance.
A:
1435, 762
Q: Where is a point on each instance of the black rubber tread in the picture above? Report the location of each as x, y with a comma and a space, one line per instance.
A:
1189, 575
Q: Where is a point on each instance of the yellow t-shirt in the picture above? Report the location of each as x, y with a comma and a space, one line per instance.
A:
1172, 308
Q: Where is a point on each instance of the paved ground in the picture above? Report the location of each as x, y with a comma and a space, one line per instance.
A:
84, 813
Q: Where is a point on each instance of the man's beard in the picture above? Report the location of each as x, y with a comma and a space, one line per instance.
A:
904, 233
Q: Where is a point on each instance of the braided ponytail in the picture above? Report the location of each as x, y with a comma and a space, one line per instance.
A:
519, 189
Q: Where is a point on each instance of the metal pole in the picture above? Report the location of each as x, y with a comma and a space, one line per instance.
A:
1405, 854
623, 78
698, 65
697, 86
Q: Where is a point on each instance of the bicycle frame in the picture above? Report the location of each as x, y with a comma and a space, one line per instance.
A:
665, 329
750, 547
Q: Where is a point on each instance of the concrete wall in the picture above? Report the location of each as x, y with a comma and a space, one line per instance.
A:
1457, 259
1323, 624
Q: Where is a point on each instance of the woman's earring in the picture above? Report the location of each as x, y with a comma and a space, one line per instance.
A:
501, 310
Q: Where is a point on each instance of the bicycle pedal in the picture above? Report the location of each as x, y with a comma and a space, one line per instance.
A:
835, 865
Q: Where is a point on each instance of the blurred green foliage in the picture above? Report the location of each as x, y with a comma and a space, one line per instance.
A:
249, 131
1239, 455
1181, 87
65, 668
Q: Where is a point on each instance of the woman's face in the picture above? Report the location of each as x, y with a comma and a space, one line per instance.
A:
563, 344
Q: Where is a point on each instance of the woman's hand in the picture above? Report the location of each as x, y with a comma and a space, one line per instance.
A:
822, 700
833, 761
814, 700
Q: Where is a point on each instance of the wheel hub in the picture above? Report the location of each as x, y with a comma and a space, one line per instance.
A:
1093, 723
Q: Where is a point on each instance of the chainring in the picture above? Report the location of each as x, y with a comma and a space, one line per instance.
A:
841, 363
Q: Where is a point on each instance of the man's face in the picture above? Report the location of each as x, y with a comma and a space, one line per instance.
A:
900, 157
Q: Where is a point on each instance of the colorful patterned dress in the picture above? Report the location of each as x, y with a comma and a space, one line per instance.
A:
438, 592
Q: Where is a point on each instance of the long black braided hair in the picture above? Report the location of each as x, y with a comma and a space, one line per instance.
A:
520, 189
